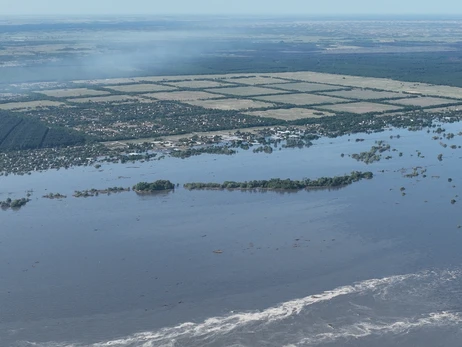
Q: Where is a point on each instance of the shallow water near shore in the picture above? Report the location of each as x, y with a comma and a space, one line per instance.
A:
358, 266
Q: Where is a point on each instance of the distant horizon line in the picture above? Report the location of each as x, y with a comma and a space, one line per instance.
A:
253, 15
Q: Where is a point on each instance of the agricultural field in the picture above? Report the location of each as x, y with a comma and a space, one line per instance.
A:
140, 88
444, 109
109, 98
290, 113
231, 104
374, 83
153, 106
28, 105
365, 94
182, 95
360, 107
425, 101
201, 84
255, 80
301, 99
306, 87
246, 91
70, 93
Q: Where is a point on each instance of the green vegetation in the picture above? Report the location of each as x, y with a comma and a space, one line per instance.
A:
13, 204
25, 133
202, 150
159, 185
374, 154
267, 149
54, 196
96, 192
285, 184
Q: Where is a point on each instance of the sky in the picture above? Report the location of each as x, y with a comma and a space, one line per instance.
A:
241, 7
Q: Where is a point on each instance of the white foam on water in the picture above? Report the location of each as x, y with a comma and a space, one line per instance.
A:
217, 327
226, 324
365, 329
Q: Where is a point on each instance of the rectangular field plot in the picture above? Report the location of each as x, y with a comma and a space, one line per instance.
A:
181, 96
444, 109
246, 91
374, 83
365, 94
360, 107
109, 98
424, 101
230, 104
290, 113
69, 93
306, 87
198, 84
301, 99
30, 105
140, 88
255, 80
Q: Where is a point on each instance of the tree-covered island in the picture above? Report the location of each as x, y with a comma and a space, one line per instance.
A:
159, 185
14, 204
285, 184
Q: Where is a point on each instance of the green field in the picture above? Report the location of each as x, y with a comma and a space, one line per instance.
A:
21, 133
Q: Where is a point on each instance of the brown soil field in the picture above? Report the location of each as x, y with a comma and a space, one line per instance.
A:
365, 94
301, 99
140, 88
290, 113
30, 105
424, 101
305, 86
360, 107
181, 95
246, 91
199, 84
69, 93
262, 79
231, 104
109, 98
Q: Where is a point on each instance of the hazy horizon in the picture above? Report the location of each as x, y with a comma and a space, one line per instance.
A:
237, 7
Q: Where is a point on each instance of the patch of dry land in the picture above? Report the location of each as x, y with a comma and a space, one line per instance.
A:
262, 79
30, 105
306, 87
290, 113
373, 83
425, 101
230, 104
366, 94
301, 99
140, 88
246, 91
444, 109
69, 93
109, 98
284, 80
182, 95
198, 84
360, 107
